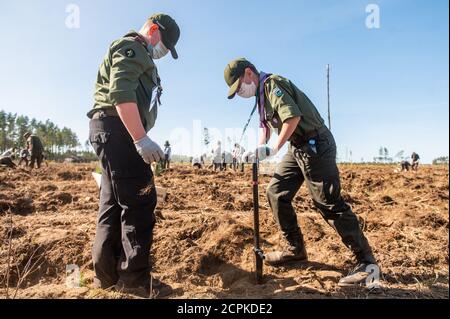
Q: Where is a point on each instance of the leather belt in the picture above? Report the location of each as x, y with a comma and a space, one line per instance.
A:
108, 112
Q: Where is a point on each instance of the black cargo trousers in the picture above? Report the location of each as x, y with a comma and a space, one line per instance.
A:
124, 234
319, 170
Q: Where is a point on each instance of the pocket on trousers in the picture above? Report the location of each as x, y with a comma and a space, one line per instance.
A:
134, 187
98, 141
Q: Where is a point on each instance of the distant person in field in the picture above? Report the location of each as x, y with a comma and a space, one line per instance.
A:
238, 152
167, 155
406, 165
311, 159
23, 155
7, 158
197, 162
9, 153
36, 149
415, 158
7, 161
217, 156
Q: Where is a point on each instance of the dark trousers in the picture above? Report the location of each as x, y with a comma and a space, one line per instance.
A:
124, 233
236, 165
36, 158
321, 175
166, 162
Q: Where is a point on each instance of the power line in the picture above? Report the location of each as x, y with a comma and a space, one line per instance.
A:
328, 96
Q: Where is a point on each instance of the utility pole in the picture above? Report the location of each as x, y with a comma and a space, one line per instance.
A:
328, 96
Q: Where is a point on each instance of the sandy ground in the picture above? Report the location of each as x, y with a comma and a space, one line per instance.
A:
203, 237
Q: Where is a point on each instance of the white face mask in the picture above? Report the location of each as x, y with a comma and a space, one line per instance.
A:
158, 51
247, 90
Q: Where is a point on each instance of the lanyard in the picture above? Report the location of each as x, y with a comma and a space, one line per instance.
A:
157, 99
262, 112
262, 100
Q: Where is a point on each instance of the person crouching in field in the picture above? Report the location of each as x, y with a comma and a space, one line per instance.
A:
24, 154
7, 161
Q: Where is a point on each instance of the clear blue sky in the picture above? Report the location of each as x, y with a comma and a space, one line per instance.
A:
389, 85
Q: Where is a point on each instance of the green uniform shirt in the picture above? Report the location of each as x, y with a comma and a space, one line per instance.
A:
127, 74
284, 101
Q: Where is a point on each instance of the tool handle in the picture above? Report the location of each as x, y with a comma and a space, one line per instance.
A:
258, 253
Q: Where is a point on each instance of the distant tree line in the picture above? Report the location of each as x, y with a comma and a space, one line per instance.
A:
181, 159
441, 160
56, 141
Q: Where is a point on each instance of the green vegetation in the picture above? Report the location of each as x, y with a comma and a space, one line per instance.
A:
59, 143
441, 160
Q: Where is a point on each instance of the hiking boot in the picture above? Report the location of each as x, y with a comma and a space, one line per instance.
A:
158, 290
294, 251
359, 277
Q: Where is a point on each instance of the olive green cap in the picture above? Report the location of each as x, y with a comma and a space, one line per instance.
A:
233, 71
170, 31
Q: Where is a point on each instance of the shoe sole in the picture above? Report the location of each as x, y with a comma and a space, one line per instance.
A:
373, 290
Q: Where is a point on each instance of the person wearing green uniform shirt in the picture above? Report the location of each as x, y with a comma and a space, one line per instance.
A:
310, 159
127, 93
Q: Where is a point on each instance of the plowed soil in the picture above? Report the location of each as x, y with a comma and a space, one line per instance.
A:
204, 234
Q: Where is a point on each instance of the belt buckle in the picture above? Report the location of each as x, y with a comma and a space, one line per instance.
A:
101, 114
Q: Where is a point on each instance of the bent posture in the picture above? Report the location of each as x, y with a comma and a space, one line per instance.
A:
310, 159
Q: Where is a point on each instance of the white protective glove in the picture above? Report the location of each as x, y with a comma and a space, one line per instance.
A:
248, 157
265, 152
149, 150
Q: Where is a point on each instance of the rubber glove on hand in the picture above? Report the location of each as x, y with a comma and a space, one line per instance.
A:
149, 150
265, 152
248, 157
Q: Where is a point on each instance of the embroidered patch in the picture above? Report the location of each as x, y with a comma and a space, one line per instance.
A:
130, 53
278, 92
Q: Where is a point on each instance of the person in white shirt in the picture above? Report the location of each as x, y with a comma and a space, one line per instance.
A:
9, 153
217, 156
238, 151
